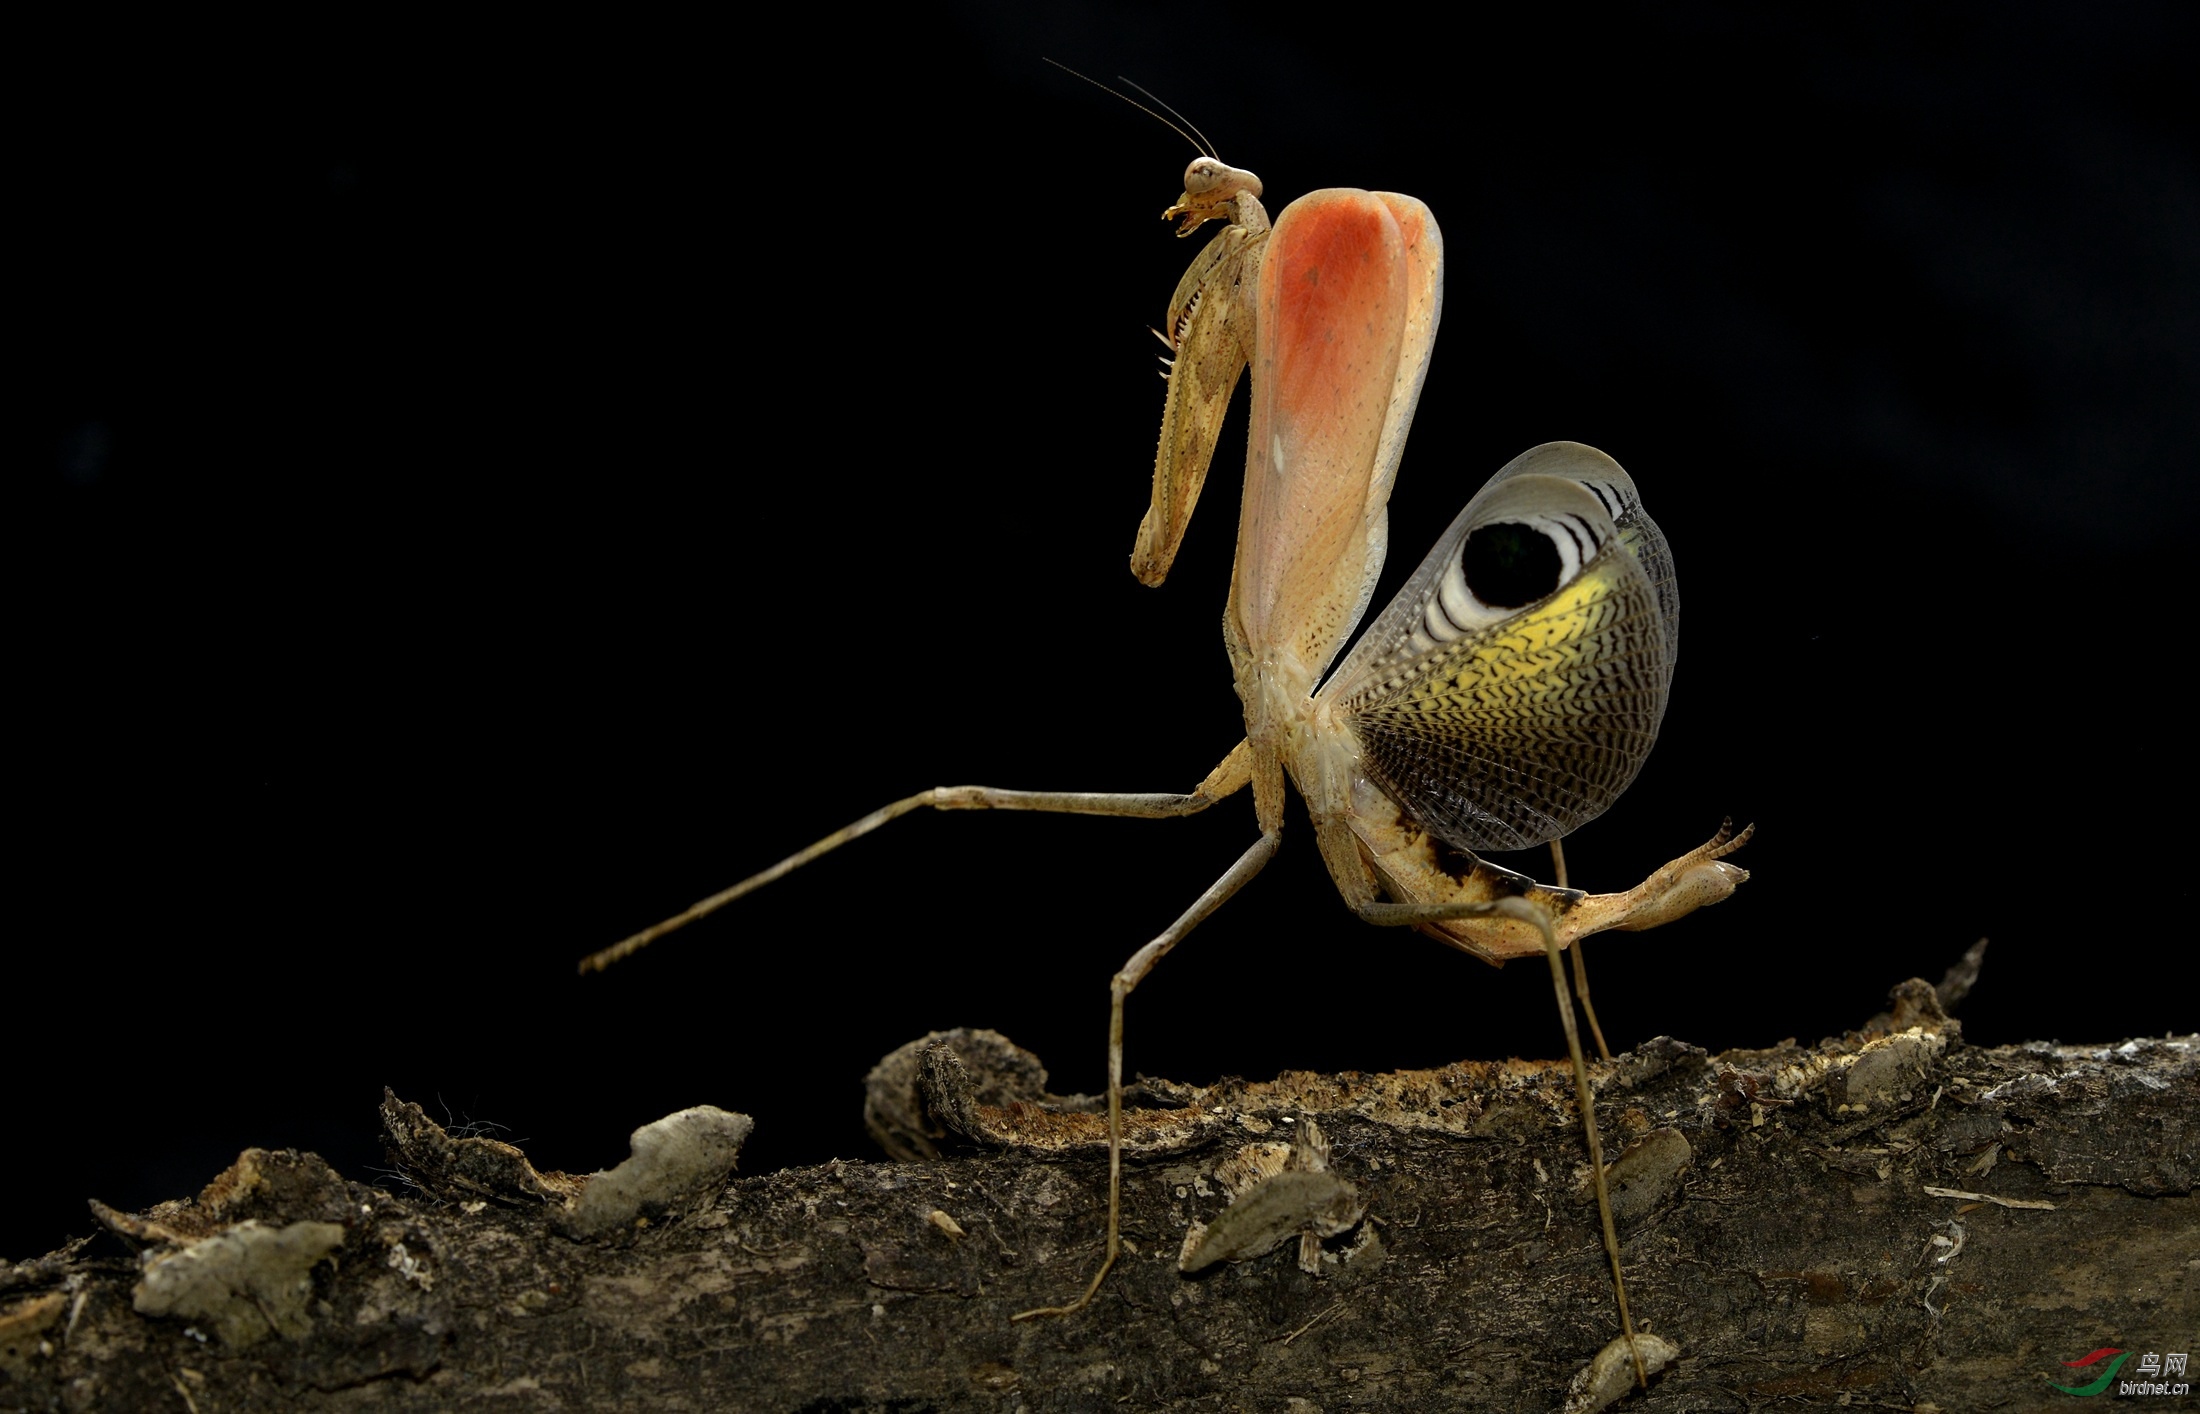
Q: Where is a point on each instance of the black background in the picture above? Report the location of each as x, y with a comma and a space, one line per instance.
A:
490, 487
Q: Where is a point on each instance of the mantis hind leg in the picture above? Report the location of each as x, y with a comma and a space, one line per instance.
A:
1530, 912
1581, 964
1133, 972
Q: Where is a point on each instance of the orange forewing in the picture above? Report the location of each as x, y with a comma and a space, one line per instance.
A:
1336, 300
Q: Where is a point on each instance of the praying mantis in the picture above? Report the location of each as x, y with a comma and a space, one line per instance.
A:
1510, 691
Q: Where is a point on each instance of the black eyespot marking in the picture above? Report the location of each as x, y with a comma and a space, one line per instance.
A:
1509, 564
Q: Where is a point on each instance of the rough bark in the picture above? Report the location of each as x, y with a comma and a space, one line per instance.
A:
1795, 1219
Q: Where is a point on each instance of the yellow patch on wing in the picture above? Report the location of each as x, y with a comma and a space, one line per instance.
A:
1549, 647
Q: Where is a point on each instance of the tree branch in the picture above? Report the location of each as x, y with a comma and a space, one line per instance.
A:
1891, 1218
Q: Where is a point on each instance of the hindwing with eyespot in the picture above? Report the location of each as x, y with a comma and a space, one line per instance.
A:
1514, 688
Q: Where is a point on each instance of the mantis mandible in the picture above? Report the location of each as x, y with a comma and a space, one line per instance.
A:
1507, 695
